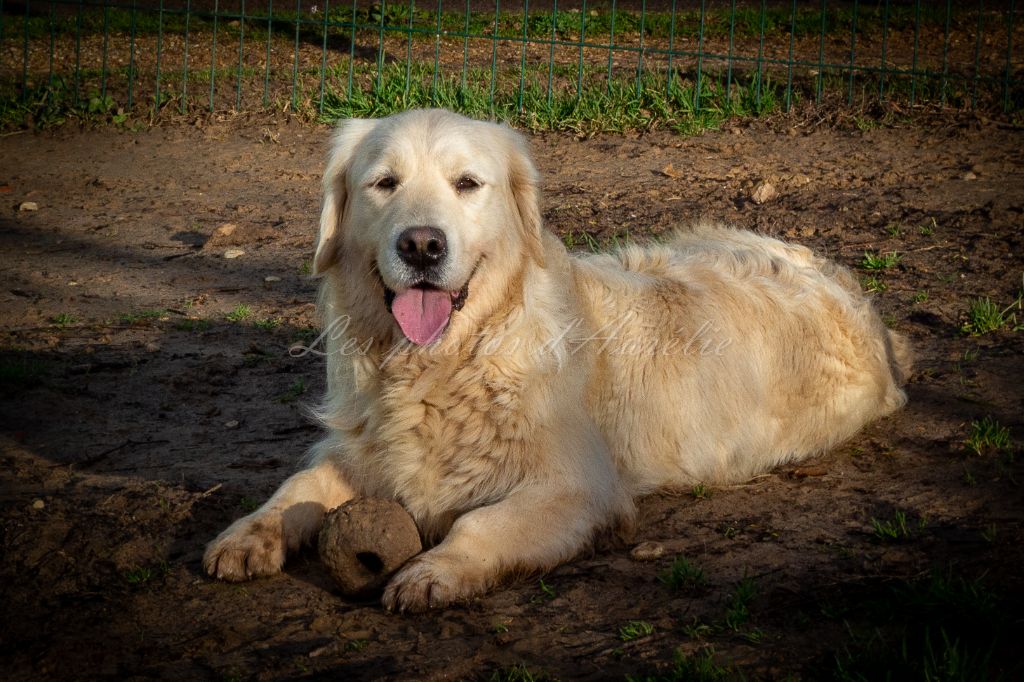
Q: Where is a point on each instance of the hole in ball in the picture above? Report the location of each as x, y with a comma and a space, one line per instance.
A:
370, 561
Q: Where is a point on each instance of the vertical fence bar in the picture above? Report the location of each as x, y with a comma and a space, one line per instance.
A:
789, 62
323, 57
465, 48
494, 55
853, 52
53, 38
1009, 57
551, 50
409, 49
700, 59
640, 53
437, 55
266, 67
295, 51
522, 56
380, 47
945, 50
213, 51
241, 57
977, 59
760, 57
732, 35
131, 59
351, 56
885, 45
583, 37
49, 70
106, 50
821, 55
24, 54
78, 48
184, 65
671, 49
159, 55
611, 47
913, 62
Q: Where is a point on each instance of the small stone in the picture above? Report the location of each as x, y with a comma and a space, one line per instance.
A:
233, 424
647, 551
968, 176
763, 192
270, 279
152, 347
364, 541
225, 230
38, 504
233, 253
28, 206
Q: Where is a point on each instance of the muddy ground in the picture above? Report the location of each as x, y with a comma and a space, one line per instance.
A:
137, 419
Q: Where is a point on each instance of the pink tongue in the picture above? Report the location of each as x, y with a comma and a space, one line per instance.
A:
422, 313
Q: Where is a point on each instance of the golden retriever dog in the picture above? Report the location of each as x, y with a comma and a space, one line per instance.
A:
515, 398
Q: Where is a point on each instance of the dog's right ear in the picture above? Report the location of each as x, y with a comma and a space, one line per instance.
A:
343, 145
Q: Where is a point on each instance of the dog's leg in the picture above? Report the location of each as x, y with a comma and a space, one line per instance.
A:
256, 545
532, 529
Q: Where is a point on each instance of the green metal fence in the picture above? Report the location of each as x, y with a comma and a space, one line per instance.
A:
538, 62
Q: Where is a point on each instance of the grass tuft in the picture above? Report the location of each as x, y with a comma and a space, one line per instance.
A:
984, 316
988, 435
240, 313
880, 261
635, 629
682, 575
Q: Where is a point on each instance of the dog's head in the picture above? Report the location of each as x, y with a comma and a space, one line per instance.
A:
433, 211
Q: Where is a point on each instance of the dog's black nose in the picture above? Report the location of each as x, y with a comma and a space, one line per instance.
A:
422, 247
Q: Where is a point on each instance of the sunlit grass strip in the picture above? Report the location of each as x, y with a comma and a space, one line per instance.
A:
613, 107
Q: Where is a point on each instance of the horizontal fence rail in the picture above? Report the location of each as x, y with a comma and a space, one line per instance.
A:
544, 63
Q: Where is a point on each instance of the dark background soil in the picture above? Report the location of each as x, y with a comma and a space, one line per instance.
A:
136, 420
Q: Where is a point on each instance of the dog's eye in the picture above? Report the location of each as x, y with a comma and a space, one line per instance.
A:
386, 183
466, 184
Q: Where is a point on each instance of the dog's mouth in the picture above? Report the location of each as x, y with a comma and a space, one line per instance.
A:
424, 310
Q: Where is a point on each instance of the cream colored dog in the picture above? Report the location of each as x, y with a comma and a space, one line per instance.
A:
515, 398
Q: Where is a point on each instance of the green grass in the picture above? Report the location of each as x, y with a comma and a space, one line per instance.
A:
921, 296
63, 319
592, 105
988, 435
738, 611
683, 575
700, 492
928, 229
240, 313
635, 629
984, 316
874, 285
896, 528
143, 316
880, 261
267, 324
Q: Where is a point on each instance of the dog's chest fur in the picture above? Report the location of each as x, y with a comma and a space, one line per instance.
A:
449, 434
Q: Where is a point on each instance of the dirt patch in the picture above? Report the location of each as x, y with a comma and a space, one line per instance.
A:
148, 398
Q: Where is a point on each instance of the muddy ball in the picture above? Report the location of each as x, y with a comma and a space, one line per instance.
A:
364, 541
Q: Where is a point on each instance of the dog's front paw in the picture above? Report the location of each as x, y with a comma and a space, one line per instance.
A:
251, 547
429, 582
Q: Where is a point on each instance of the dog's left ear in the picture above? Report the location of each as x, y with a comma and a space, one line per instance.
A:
525, 183
343, 146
